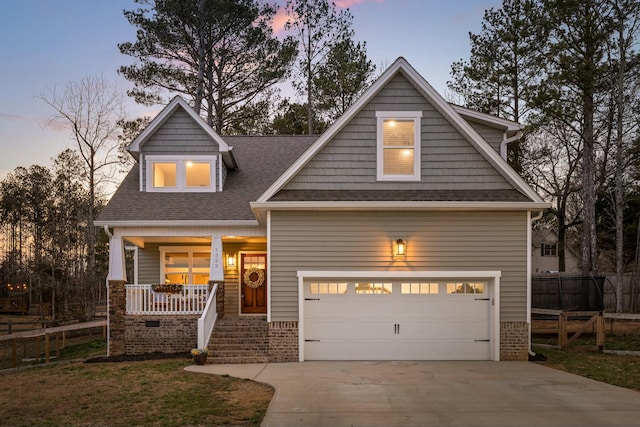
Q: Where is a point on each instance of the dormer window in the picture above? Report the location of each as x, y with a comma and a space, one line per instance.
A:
181, 173
398, 145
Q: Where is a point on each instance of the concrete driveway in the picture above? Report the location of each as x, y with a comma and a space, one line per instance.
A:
434, 394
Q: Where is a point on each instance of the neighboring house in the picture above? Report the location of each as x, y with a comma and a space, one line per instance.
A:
544, 253
399, 233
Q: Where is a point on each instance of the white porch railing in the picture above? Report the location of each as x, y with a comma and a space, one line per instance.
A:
142, 300
208, 319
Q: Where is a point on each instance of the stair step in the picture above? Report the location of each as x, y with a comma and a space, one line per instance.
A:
239, 340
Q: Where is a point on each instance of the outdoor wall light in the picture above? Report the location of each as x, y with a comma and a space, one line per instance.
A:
401, 248
231, 261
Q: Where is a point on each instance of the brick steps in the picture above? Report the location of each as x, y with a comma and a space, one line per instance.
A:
239, 340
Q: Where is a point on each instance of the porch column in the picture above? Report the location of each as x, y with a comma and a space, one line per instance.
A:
116, 297
216, 272
116, 259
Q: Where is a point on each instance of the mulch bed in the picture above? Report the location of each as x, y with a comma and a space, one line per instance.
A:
138, 357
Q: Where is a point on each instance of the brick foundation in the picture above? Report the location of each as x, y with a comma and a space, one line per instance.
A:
164, 334
514, 341
283, 341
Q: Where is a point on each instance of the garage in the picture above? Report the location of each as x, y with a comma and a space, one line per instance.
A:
399, 318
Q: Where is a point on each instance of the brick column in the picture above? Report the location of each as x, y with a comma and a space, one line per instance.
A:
514, 341
117, 297
219, 297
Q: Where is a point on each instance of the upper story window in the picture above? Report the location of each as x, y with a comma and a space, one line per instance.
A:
549, 249
181, 173
398, 145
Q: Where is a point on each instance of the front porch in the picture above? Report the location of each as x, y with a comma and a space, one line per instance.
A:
179, 286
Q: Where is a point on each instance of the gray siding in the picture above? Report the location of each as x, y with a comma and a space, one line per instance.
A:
149, 264
492, 135
225, 172
448, 160
180, 135
449, 241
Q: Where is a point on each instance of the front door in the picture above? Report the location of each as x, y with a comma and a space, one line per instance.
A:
253, 279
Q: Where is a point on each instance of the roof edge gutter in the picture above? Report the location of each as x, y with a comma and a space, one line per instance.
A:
506, 141
179, 223
415, 206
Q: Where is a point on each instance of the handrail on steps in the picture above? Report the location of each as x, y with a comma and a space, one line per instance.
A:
208, 319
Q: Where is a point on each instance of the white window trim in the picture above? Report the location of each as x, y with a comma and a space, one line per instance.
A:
181, 173
399, 115
186, 249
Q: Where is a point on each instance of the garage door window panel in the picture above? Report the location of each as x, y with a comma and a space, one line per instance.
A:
457, 288
374, 288
430, 288
328, 288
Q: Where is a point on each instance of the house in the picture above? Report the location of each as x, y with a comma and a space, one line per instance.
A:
544, 253
399, 233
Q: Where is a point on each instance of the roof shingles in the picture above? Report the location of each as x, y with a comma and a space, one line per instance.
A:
262, 160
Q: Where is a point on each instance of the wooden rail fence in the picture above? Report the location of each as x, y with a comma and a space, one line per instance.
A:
46, 333
591, 318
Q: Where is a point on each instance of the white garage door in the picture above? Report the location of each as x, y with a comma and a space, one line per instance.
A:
397, 320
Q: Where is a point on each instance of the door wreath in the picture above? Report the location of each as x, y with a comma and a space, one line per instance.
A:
254, 277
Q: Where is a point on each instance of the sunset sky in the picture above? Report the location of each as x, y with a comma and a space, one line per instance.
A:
46, 43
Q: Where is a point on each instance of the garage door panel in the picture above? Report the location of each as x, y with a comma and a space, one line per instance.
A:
397, 326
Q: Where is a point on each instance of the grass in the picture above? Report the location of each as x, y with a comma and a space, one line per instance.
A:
623, 371
627, 342
146, 393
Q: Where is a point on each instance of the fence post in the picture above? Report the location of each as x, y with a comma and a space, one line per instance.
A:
600, 331
562, 330
47, 347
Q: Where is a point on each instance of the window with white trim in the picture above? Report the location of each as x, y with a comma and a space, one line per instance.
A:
185, 265
398, 145
181, 173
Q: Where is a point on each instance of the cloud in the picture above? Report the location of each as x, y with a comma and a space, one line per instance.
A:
279, 20
54, 124
57, 125
281, 17
348, 3
15, 117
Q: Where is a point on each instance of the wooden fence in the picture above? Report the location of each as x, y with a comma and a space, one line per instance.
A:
570, 292
59, 337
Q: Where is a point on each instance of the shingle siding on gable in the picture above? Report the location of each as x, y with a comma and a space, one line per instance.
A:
449, 161
492, 135
179, 135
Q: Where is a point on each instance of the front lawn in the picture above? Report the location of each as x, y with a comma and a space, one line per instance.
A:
623, 371
145, 393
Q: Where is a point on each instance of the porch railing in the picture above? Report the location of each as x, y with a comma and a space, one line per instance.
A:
208, 319
141, 299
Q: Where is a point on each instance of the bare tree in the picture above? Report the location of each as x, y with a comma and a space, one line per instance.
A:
91, 109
